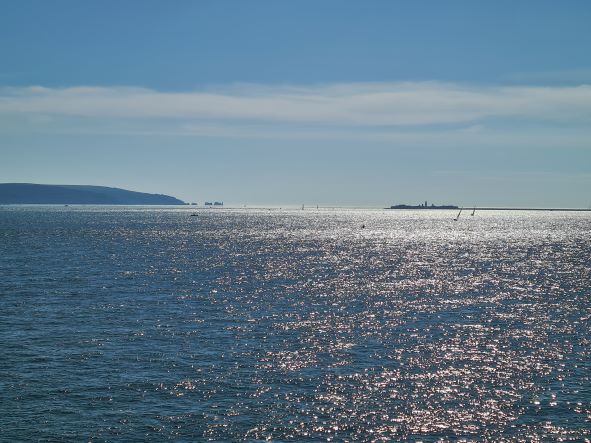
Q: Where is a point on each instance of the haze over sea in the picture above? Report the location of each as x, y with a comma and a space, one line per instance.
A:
145, 324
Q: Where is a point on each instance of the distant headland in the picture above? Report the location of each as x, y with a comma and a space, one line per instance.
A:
29, 193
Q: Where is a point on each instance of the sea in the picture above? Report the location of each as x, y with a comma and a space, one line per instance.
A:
132, 324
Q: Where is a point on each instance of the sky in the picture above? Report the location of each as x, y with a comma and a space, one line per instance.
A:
274, 102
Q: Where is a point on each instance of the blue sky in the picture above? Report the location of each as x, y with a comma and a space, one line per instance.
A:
276, 102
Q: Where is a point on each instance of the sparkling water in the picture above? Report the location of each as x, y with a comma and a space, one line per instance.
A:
147, 324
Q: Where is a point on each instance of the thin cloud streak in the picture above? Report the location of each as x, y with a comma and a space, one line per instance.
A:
472, 136
358, 105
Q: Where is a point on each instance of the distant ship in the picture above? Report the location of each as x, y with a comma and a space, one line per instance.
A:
423, 206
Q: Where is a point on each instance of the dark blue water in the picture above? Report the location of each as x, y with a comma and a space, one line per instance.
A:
243, 325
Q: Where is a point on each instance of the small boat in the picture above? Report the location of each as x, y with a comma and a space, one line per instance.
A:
473, 211
194, 215
458, 216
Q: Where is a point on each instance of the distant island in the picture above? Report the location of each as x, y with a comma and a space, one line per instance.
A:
423, 206
29, 193
479, 208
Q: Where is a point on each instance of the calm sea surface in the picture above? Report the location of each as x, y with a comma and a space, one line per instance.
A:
146, 324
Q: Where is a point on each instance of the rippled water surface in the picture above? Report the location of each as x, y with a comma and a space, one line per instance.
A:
137, 324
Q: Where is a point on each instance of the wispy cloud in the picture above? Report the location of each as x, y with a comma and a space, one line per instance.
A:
356, 105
